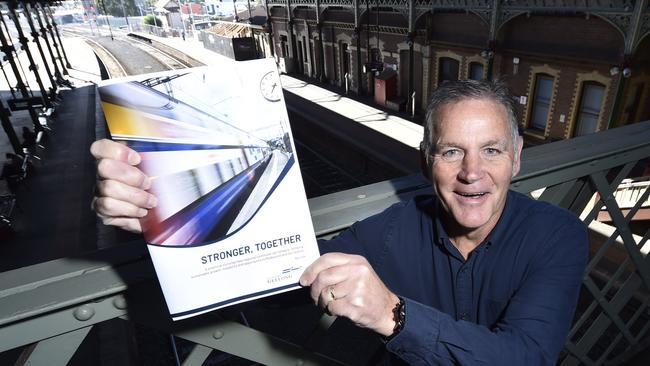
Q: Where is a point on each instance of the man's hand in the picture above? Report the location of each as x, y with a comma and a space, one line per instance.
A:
346, 285
121, 197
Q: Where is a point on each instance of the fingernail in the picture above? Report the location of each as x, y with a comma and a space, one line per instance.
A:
134, 158
146, 183
152, 201
142, 212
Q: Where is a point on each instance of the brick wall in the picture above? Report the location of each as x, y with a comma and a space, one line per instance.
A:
576, 48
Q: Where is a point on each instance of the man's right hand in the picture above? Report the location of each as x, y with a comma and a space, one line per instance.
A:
121, 197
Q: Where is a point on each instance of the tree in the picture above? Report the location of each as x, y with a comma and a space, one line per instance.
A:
118, 8
149, 19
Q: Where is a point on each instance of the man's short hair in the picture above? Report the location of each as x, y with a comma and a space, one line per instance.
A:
455, 91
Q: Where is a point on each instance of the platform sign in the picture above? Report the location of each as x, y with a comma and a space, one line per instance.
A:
232, 222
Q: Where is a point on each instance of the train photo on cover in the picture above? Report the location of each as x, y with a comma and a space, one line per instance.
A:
211, 173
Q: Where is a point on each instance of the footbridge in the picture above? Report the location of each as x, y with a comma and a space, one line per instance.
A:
74, 292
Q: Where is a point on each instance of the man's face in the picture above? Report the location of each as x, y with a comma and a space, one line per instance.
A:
473, 162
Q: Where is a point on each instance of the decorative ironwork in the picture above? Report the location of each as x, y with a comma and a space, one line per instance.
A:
386, 29
339, 25
485, 15
56, 303
506, 15
529, 5
274, 3
645, 27
302, 3
619, 20
618, 13
339, 3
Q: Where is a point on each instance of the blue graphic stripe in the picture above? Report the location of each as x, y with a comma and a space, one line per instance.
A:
209, 210
275, 185
206, 212
150, 146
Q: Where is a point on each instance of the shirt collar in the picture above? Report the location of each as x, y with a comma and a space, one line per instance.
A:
496, 235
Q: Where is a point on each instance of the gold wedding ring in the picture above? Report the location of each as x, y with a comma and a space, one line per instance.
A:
332, 293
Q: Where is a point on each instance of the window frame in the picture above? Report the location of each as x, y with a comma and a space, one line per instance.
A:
533, 72
534, 103
580, 106
605, 110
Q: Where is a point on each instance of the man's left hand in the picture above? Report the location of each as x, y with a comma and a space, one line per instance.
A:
346, 285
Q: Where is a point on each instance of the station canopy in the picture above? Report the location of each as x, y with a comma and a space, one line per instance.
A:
231, 30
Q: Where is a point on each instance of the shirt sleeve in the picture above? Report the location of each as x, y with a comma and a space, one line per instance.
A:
532, 329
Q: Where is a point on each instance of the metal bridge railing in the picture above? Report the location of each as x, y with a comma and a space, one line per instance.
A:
51, 307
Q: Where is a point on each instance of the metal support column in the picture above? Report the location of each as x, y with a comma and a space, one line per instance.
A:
309, 51
57, 72
292, 38
321, 50
410, 39
9, 52
359, 67
269, 26
631, 41
616, 106
56, 46
48, 11
24, 42
357, 37
492, 40
335, 65
9, 129
34, 33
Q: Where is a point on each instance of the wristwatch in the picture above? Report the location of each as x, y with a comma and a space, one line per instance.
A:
399, 317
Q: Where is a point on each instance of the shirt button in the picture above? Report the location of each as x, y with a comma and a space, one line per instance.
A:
464, 316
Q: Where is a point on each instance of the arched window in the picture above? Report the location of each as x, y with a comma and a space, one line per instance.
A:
541, 102
447, 69
591, 101
476, 70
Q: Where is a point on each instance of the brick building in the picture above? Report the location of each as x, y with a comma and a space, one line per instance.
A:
576, 67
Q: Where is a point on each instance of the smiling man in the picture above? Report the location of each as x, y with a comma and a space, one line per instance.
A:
473, 274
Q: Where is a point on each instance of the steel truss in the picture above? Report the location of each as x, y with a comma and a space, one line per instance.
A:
50, 307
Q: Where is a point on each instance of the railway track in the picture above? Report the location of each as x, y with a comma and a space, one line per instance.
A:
115, 67
320, 174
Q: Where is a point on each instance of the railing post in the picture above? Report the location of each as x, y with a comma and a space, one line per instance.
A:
413, 104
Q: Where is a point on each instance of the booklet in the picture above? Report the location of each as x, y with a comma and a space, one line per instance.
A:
232, 222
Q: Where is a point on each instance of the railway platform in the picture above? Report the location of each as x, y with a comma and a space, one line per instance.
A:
53, 203
53, 220
393, 125
52, 217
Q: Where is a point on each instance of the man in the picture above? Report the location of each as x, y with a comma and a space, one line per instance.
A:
475, 274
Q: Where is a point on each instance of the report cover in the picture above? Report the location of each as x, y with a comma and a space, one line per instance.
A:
232, 222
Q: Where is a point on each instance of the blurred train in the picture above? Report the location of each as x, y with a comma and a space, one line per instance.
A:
203, 168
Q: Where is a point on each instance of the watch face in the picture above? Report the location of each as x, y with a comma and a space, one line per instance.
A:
270, 86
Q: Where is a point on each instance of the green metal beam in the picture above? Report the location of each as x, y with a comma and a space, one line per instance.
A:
49, 299
198, 356
50, 325
253, 345
57, 350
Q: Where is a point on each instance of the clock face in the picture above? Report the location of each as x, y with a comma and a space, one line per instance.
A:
270, 86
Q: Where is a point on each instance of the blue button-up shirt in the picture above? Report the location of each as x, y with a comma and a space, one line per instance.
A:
510, 303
